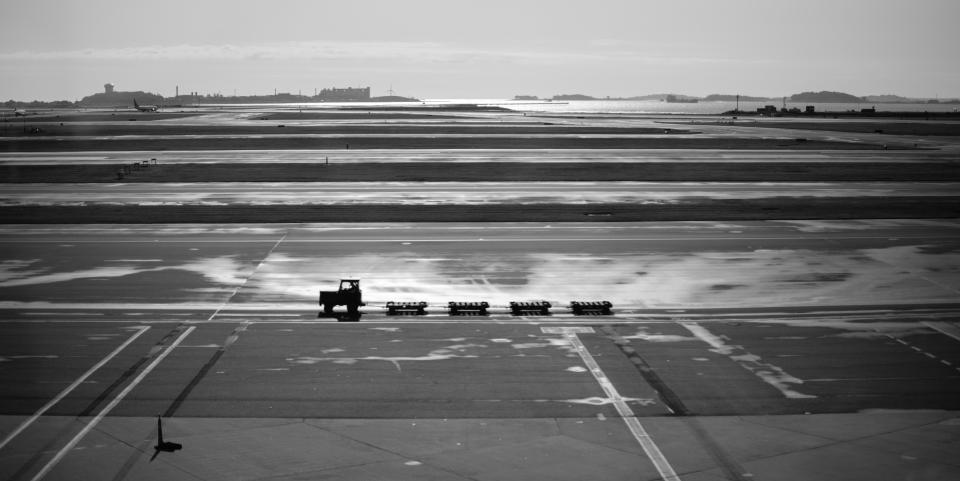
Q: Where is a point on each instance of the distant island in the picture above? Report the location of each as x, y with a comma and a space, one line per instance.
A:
891, 99
825, 97
657, 97
111, 98
573, 97
393, 98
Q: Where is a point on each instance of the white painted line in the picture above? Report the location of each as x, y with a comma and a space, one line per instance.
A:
567, 330
946, 328
71, 314
768, 373
71, 387
254, 314
89, 427
252, 273
653, 452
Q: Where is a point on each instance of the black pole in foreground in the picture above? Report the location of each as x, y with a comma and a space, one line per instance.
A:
162, 445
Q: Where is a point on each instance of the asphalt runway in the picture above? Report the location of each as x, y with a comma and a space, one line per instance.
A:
634, 265
419, 193
469, 155
215, 328
779, 350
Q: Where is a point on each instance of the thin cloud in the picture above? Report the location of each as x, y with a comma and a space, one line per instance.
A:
426, 52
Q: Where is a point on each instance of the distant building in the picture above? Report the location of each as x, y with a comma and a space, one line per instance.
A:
811, 109
344, 94
110, 97
767, 110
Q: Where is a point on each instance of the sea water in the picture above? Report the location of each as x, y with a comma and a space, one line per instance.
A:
612, 106
716, 107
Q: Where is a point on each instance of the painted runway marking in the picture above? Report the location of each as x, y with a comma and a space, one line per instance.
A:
946, 328
71, 387
943, 327
667, 473
567, 330
63, 314
768, 373
247, 279
258, 315
106, 410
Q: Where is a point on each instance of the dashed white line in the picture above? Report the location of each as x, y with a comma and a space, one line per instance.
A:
921, 351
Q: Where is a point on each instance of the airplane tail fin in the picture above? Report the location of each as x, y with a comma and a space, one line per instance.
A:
135, 104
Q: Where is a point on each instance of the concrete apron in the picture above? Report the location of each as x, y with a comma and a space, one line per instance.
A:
892, 445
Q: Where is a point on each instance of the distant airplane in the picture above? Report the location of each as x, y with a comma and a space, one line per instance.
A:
20, 113
145, 108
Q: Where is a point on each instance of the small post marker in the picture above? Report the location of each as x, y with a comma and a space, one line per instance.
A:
165, 446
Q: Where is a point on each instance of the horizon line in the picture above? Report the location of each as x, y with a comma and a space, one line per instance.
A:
937, 97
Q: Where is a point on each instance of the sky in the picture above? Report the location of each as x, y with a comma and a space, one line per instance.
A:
434, 49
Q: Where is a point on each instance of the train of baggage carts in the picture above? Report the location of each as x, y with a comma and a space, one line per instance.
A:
349, 295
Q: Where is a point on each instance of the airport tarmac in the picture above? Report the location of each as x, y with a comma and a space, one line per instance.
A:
737, 264
468, 155
439, 193
735, 350
807, 348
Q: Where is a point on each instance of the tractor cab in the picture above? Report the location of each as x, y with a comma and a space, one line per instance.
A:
348, 294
